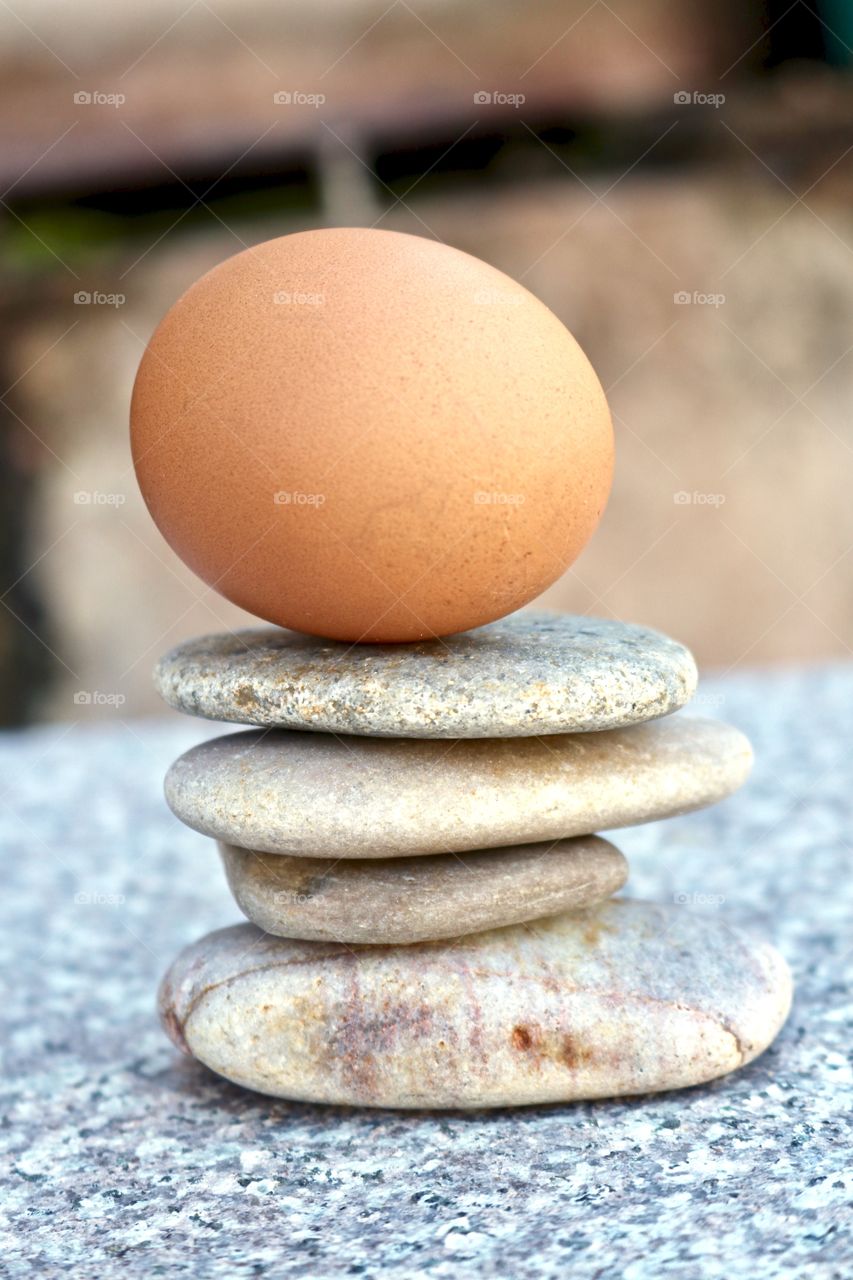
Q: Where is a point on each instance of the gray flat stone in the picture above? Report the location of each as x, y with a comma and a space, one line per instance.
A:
314, 795
624, 998
531, 673
442, 895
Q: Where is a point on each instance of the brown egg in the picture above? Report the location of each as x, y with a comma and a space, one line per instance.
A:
370, 436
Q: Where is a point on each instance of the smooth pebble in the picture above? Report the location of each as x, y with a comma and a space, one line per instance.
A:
531, 673
418, 899
623, 998
324, 796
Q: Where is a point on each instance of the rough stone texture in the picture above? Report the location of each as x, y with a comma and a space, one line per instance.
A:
420, 899
532, 673
621, 998
123, 1158
315, 795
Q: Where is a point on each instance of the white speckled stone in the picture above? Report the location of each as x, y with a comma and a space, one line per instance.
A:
531, 673
315, 795
385, 900
627, 997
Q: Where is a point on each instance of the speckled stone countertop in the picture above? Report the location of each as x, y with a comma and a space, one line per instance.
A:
125, 1160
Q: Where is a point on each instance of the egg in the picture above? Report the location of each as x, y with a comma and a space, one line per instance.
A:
370, 436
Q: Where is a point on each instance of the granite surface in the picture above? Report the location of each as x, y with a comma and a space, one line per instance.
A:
124, 1159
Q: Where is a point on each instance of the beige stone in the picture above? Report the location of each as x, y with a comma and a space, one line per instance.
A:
623, 998
384, 900
318, 795
528, 674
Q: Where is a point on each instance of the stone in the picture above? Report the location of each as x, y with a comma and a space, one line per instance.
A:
315, 795
624, 998
443, 895
531, 673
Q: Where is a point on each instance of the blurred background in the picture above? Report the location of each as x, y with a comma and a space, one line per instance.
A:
674, 178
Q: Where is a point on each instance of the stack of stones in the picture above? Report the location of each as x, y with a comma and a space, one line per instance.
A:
408, 828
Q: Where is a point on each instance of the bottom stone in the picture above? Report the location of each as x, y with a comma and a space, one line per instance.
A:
627, 997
